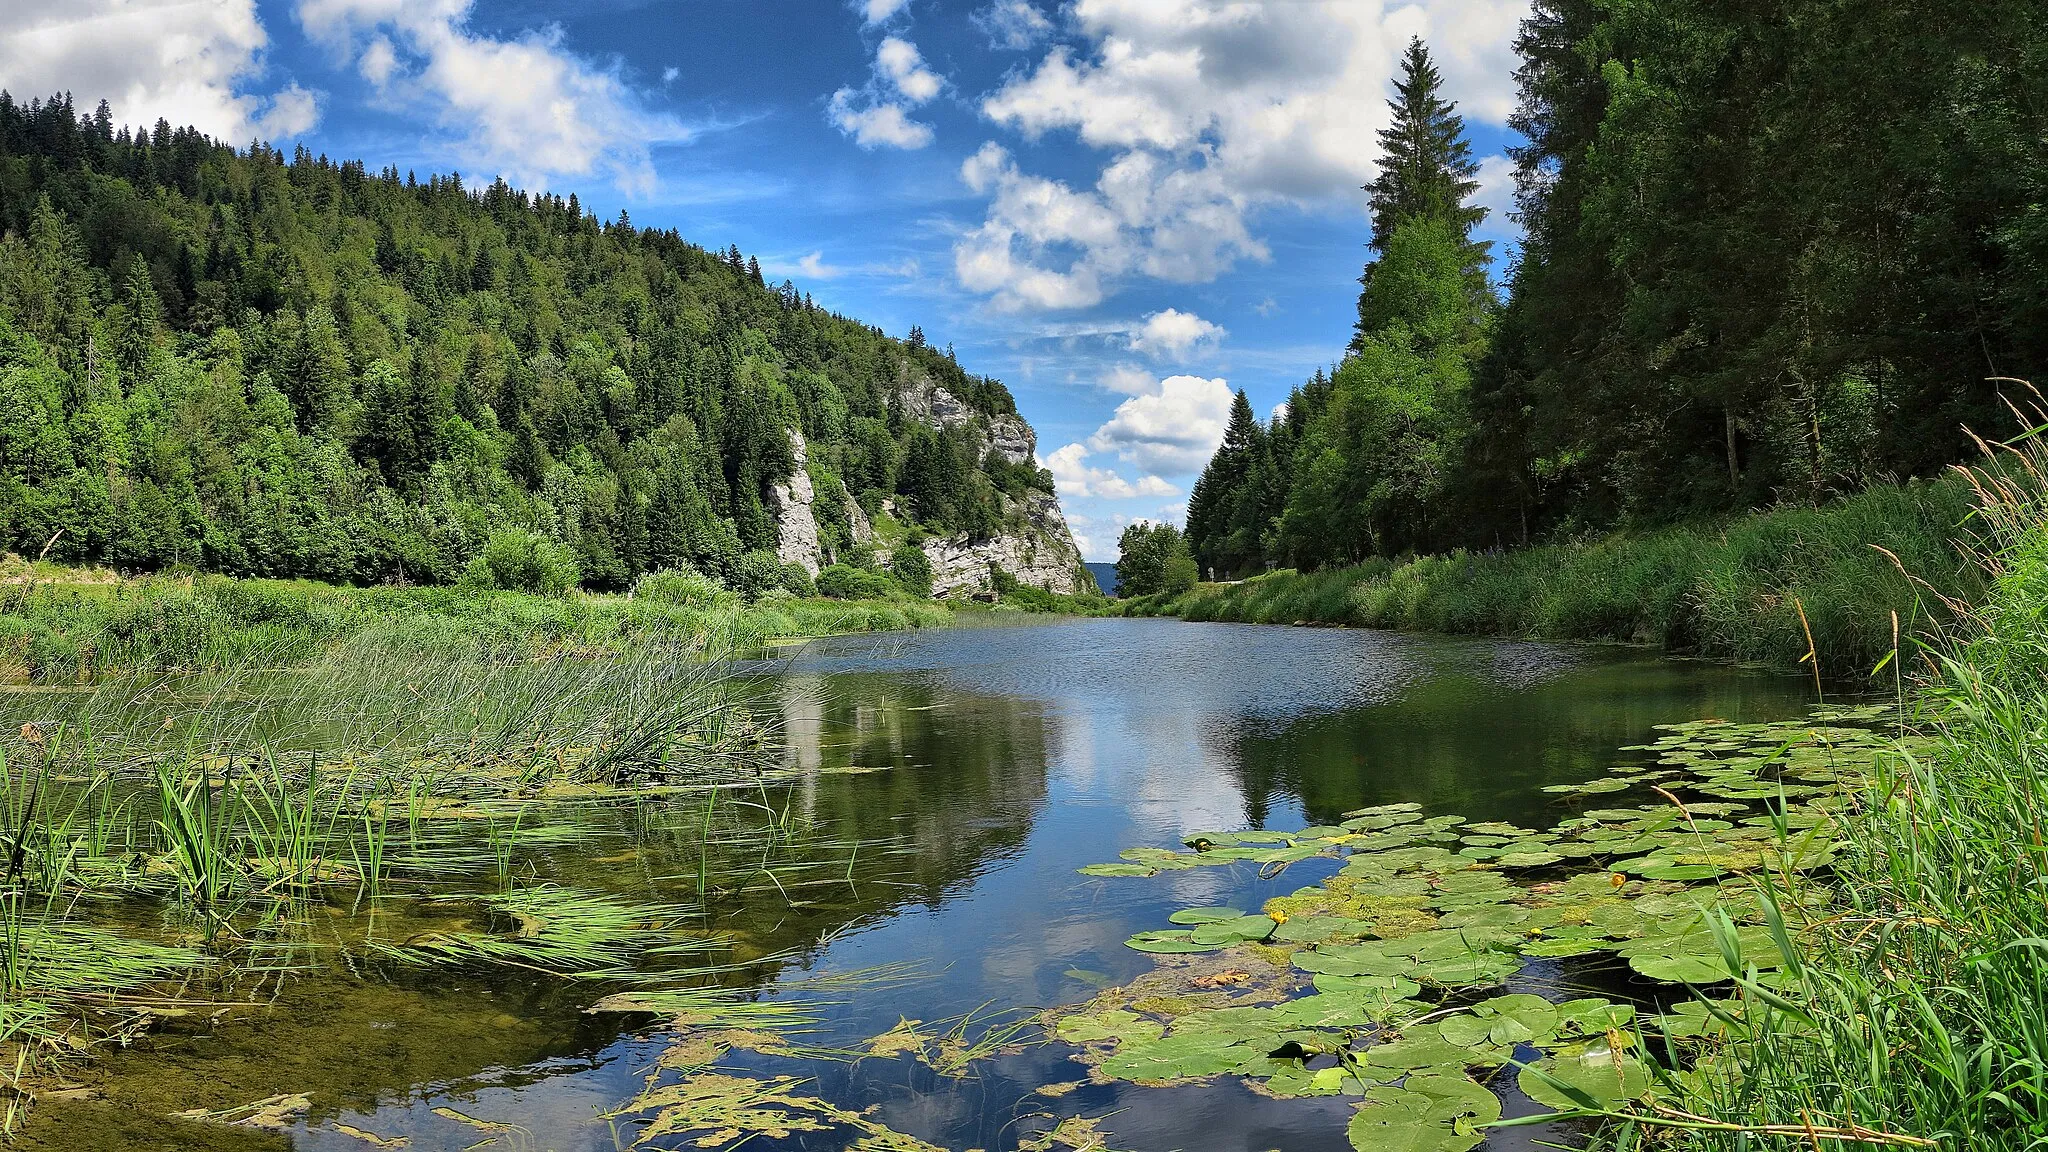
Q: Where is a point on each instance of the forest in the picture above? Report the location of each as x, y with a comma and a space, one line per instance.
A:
294, 367
1774, 254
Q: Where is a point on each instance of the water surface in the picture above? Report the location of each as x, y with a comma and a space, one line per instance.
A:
978, 768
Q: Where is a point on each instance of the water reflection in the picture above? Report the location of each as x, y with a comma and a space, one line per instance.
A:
949, 783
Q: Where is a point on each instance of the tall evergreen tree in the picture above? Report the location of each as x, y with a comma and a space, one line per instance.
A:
1426, 165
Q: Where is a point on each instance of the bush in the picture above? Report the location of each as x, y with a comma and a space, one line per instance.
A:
796, 580
683, 587
912, 569
514, 560
756, 572
1145, 551
843, 582
1180, 575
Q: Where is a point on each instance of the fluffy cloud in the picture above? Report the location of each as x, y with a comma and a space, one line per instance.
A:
1211, 108
1171, 431
524, 106
877, 115
187, 63
1046, 245
1013, 24
1173, 333
1130, 380
898, 61
876, 125
877, 11
1080, 480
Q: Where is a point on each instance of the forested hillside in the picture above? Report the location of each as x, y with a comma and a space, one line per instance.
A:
1775, 252
295, 367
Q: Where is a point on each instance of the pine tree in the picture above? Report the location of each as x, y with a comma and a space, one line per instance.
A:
1426, 165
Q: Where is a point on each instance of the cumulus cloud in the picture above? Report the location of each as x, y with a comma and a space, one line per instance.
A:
1013, 24
1046, 245
525, 106
1212, 108
1130, 380
1172, 430
877, 11
190, 64
1173, 333
1079, 479
877, 115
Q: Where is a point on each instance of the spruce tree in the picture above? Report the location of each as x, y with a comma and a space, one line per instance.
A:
1426, 165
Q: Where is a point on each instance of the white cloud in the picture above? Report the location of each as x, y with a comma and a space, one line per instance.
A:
877, 115
525, 106
1013, 24
671, 74
815, 267
188, 63
1080, 480
1173, 333
1172, 431
899, 61
876, 11
876, 125
1045, 245
1213, 108
1130, 380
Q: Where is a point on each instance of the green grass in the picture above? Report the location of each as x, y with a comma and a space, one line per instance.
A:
55, 629
1734, 591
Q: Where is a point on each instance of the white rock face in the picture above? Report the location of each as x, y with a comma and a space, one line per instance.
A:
790, 501
1043, 557
1042, 554
928, 403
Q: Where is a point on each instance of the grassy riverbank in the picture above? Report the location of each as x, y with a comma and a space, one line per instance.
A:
1921, 1005
1734, 591
62, 624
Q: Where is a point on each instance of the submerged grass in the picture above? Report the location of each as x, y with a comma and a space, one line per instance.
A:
1734, 591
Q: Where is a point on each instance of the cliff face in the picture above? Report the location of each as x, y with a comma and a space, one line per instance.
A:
1038, 548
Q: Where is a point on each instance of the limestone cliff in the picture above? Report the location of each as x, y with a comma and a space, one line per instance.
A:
1036, 547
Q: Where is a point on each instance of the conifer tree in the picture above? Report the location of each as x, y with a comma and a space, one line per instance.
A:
1426, 165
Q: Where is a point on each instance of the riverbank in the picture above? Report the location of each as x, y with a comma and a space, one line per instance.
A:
65, 624
1919, 1007
1752, 590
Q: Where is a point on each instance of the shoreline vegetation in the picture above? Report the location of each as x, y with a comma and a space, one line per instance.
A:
1765, 588
61, 625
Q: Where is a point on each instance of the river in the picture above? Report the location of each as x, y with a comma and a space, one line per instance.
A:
984, 765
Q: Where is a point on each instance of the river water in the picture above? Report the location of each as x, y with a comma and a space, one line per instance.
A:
985, 764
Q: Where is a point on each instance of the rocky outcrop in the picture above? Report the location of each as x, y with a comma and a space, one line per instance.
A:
790, 502
1038, 549
1042, 556
1009, 435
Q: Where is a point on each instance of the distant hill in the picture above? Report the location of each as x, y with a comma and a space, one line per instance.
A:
1105, 575
297, 367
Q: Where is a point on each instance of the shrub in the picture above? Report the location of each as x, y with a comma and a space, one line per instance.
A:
515, 560
844, 582
796, 580
682, 587
912, 569
1180, 575
756, 572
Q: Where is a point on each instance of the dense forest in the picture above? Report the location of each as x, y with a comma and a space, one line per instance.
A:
294, 367
1775, 252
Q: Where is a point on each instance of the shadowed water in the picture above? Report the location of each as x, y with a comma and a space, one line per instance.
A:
989, 763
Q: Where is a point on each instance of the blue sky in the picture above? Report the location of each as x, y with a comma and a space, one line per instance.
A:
1125, 209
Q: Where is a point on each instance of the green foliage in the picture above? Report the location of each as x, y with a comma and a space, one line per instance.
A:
1736, 591
1147, 555
912, 568
755, 572
681, 587
844, 582
517, 561
283, 366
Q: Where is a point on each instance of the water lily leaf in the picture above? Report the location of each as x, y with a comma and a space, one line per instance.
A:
1168, 943
1117, 870
1205, 915
1234, 930
1109, 1024
1680, 967
1464, 1030
1601, 1075
1533, 859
